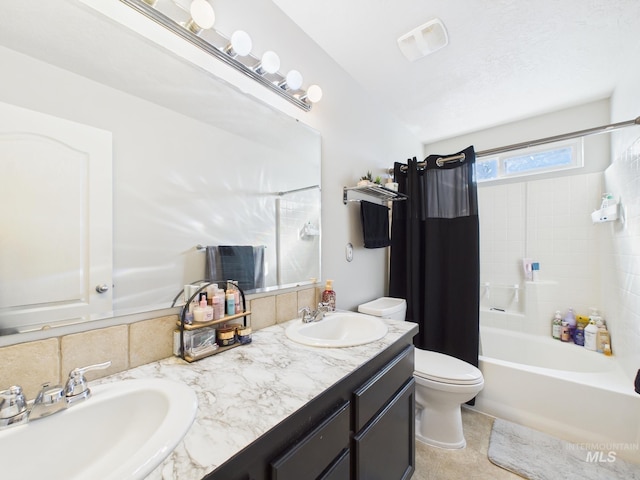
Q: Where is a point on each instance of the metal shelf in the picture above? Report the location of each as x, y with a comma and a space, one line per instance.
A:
371, 192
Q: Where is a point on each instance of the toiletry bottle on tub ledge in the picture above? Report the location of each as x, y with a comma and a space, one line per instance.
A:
557, 325
570, 318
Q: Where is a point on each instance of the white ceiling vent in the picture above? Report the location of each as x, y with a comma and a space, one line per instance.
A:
423, 40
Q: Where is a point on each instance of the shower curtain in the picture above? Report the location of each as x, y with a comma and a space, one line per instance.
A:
435, 253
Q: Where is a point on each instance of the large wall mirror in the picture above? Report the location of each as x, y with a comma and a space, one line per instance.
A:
194, 162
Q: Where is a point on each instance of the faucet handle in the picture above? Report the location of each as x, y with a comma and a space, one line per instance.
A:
12, 402
13, 407
76, 387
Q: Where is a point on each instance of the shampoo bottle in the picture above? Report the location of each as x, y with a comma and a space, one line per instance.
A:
570, 318
602, 338
231, 302
557, 325
329, 296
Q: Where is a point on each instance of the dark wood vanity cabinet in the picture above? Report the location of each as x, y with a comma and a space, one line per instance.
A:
385, 448
384, 424
320, 451
361, 428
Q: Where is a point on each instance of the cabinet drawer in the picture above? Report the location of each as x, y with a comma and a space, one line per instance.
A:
374, 394
316, 450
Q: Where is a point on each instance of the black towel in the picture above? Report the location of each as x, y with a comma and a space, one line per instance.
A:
237, 264
375, 225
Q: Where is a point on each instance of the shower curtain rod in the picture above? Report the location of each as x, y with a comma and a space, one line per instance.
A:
533, 143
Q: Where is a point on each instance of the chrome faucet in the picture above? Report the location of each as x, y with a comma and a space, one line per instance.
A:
50, 400
318, 314
76, 388
14, 409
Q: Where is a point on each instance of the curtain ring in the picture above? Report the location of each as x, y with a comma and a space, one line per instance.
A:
441, 161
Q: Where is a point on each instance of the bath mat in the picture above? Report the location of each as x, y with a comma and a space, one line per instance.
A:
538, 456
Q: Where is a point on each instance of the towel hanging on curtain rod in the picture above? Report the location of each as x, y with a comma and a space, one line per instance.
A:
532, 143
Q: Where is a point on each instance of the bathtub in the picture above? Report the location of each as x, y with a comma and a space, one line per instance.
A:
559, 388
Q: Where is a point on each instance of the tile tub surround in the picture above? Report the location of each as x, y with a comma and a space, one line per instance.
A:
244, 392
31, 364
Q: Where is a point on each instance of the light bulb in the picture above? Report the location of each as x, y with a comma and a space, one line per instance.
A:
240, 44
293, 80
314, 93
202, 16
270, 63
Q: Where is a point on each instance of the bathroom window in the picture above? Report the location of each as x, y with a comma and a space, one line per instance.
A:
530, 161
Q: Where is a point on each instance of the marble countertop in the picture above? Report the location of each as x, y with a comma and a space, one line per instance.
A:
244, 392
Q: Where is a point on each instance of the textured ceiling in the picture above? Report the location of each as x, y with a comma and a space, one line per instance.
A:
506, 59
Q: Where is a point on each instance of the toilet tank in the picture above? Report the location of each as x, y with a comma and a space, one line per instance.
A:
385, 307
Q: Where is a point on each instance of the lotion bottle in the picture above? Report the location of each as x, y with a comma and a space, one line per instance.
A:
199, 311
590, 334
329, 296
208, 310
220, 304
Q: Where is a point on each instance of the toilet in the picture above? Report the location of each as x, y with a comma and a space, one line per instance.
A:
443, 383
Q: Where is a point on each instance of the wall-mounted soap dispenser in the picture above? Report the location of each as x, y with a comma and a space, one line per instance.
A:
609, 210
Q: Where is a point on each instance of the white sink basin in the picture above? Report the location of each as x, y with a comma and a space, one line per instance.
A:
338, 329
123, 431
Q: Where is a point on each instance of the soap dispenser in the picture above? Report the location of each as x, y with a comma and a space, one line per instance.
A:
329, 296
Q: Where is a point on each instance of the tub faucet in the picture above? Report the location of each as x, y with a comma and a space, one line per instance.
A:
318, 314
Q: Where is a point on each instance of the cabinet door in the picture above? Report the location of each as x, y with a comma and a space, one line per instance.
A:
385, 448
316, 451
339, 469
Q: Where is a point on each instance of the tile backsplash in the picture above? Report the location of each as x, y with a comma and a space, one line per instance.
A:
50, 360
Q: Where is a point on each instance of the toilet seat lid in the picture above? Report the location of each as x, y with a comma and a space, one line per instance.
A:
445, 368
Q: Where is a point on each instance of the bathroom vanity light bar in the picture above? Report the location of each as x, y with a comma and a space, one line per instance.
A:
300, 98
